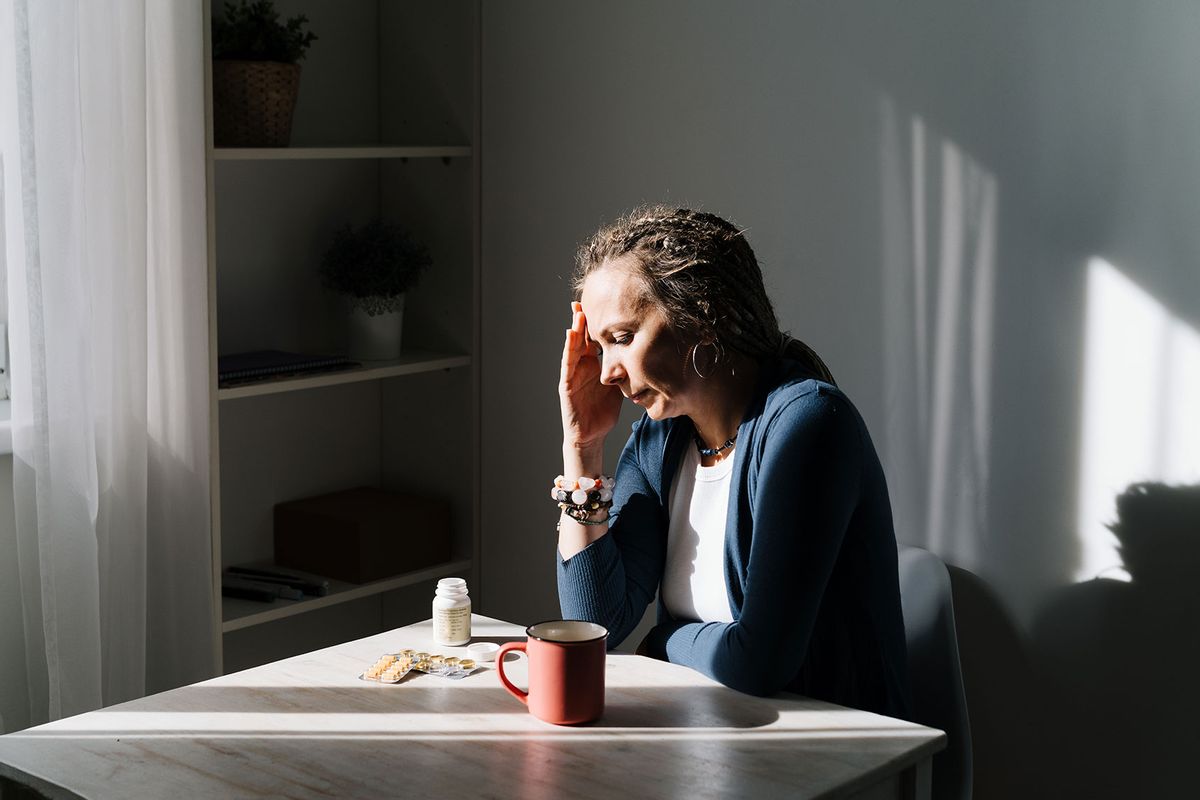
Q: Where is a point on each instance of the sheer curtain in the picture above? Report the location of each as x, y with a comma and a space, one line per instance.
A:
104, 244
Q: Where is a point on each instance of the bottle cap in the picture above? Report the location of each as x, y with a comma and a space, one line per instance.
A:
483, 651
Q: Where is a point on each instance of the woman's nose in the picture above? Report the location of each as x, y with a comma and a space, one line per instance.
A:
610, 370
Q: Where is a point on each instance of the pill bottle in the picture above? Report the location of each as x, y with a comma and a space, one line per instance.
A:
451, 613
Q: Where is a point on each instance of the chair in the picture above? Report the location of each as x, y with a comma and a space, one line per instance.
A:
939, 700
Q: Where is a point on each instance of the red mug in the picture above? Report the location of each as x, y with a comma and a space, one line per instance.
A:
566, 670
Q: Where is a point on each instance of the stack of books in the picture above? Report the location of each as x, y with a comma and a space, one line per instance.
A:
265, 583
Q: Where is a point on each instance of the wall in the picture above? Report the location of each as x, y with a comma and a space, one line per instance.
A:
982, 215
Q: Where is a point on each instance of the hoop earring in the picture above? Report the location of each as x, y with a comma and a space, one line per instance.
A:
716, 353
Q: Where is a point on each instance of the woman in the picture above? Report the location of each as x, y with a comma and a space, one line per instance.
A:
749, 496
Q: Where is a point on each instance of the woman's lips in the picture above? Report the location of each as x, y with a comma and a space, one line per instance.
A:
639, 397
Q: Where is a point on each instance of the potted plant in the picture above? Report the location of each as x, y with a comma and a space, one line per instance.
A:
372, 267
256, 77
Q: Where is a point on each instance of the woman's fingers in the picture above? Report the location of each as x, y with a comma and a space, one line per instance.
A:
578, 320
569, 357
576, 344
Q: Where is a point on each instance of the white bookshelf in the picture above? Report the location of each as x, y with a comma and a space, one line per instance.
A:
378, 73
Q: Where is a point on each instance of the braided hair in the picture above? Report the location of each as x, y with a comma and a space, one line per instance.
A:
700, 270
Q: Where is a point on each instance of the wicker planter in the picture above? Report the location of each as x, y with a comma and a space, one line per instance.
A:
253, 102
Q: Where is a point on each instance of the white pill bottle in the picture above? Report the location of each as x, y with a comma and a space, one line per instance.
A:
451, 613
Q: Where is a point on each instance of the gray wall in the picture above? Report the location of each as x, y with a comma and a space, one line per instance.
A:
929, 186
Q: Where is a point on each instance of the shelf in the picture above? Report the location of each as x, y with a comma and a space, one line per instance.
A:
237, 613
335, 153
409, 364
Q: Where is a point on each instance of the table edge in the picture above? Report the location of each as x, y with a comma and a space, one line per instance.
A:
896, 766
39, 784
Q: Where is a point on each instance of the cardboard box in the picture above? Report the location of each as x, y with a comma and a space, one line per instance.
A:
361, 535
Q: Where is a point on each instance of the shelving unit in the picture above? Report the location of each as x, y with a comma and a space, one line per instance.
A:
385, 126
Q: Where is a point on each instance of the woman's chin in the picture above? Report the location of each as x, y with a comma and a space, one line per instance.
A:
657, 410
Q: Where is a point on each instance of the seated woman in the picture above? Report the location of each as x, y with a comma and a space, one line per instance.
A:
749, 496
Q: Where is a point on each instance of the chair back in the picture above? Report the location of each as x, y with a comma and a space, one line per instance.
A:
939, 700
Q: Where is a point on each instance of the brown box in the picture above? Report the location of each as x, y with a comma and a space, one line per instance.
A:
363, 534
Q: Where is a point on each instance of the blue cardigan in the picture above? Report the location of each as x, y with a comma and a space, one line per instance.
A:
810, 554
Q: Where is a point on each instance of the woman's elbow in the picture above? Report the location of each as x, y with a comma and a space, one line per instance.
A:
752, 665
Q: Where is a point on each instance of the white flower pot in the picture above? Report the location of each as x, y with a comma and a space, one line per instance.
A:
376, 338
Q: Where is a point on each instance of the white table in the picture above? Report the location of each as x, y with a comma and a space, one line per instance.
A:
308, 727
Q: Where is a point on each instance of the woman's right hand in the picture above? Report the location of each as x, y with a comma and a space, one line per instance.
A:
589, 408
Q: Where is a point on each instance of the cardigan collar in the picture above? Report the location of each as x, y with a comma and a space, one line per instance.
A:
772, 374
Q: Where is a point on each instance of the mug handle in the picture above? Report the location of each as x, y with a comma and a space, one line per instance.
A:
513, 690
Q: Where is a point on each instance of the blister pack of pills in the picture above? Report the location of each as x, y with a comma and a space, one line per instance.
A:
387, 668
393, 667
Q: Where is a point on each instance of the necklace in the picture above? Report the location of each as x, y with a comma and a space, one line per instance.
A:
712, 451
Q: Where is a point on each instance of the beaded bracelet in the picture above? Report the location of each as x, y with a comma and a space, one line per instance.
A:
582, 497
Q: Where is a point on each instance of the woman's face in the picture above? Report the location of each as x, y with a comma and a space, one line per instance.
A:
640, 352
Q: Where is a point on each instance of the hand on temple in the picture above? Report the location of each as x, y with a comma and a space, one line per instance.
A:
589, 408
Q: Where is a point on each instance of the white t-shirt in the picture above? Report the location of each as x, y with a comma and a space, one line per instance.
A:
693, 586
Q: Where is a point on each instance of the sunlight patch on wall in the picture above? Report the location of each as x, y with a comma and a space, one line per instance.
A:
1140, 401
939, 216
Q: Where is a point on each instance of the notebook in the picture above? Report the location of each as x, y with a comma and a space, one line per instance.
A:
259, 364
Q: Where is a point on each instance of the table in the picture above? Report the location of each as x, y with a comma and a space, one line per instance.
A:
308, 727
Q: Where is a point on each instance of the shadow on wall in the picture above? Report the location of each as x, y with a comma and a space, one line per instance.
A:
1006, 700
1100, 701
1121, 659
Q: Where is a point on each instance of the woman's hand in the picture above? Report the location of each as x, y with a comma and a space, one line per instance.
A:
589, 408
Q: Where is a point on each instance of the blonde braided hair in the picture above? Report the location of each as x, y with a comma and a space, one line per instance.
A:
701, 271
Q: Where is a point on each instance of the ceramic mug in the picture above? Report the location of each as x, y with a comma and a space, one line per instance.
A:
566, 670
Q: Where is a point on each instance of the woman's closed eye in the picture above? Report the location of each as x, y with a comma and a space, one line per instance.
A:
616, 340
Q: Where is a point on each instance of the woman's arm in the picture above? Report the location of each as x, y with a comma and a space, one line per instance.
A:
808, 487
614, 578
589, 411
607, 572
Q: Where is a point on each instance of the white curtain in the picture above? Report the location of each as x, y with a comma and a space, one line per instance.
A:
104, 245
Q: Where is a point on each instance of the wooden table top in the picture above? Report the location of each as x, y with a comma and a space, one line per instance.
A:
308, 727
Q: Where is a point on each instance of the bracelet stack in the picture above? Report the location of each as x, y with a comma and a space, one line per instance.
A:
582, 497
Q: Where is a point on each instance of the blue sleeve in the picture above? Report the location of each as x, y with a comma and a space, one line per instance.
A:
613, 579
808, 486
